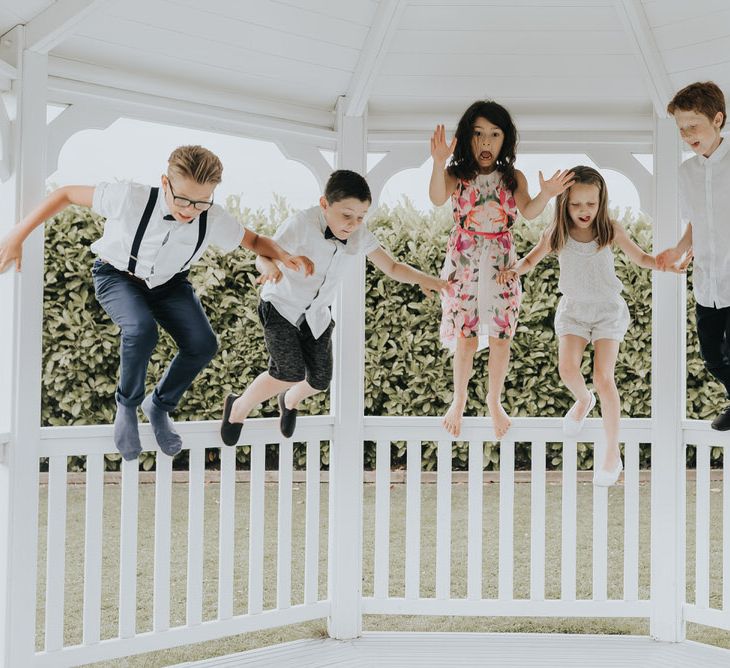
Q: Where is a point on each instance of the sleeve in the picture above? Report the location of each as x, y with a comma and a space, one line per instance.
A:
226, 232
289, 234
368, 243
110, 198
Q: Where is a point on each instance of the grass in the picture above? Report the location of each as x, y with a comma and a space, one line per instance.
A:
110, 550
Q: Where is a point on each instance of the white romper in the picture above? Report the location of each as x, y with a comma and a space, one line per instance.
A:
591, 306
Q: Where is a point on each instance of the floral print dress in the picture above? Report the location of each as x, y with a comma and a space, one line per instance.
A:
480, 245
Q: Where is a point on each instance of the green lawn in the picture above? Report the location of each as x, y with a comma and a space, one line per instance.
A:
74, 564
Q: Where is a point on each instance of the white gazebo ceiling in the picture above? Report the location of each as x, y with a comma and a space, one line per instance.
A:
557, 64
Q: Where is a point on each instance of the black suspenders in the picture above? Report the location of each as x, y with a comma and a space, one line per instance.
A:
142, 227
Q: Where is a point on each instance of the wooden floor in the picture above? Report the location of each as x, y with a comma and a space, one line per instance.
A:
466, 650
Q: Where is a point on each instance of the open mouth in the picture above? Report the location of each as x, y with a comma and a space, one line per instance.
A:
485, 156
695, 144
584, 219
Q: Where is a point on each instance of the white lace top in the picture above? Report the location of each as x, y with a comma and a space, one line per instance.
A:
586, 273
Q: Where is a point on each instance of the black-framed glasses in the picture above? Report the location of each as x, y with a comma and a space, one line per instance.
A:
184, 202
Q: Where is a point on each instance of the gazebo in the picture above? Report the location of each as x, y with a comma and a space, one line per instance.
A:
580, 76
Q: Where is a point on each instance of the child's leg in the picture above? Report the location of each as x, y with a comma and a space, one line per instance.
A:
298, 393
263, 388
499, 350
570, 357
604, 363
466, 347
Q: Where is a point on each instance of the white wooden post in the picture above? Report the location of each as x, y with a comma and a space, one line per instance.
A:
21, 335
667, 455
346, 459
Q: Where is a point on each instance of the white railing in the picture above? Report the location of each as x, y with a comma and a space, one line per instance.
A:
59, 443
705, 608
477, 431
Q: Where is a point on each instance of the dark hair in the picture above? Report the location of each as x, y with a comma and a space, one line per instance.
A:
559, 232
344, 183
463, 164
704, 97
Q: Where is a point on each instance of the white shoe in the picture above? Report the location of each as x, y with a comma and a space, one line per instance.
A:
572, 427
603, 478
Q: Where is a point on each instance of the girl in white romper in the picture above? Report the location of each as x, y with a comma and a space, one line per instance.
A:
591, 309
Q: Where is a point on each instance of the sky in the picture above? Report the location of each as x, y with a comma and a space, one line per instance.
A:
138, 151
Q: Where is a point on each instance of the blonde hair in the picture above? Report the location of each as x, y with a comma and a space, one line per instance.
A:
196, 163
602, 224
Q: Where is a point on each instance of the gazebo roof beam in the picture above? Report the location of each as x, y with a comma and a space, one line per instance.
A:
55, 23
640, 35
372, 55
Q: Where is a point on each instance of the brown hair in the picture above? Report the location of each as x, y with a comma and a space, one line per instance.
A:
196, 163
704, 97
602, 223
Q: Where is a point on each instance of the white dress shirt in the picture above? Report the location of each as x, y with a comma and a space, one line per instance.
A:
167, 245
297, 295
704, 197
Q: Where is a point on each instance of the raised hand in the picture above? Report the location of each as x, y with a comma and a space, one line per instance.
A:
557, 183
440, 150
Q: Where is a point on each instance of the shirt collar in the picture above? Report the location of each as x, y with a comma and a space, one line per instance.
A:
326, 231
719, 153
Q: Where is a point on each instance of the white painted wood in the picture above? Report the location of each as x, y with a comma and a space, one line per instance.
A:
378, 41
163, 517
7, 70
381, 573
600, 541
58, 22
569, 522
348, 407
632, 510
702, 529
21, 334
256, 530
284, 531
196, 509
128, 550
311, 547
443, 521
707, 616
413, 519
309, 155
726, 531
537, 522
476, 505
92, 552
506, 518
56, 553
398, 158
226, 532
668, 461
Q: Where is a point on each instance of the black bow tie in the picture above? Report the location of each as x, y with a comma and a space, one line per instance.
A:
169, 216
329, 234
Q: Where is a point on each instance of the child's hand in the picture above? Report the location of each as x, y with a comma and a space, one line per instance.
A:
10, 251
440, 150
680, 268
506, 276
272, 274
299, 263
431, 284
667, 258
557, 183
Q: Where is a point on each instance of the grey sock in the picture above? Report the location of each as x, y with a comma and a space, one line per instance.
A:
163, 427
126, 432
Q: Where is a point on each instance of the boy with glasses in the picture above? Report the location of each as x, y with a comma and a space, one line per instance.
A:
151, 238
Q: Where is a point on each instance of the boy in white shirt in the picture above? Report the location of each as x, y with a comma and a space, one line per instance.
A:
150, 240
295, 310
704, 196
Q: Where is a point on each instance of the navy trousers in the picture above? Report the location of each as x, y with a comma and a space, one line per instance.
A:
713, 332
137, 310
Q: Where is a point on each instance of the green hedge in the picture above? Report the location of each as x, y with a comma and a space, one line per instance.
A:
407, 371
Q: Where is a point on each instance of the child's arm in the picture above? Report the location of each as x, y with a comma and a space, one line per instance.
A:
442, 183
404, 273
268, 270
11, 246
531, 208
528, 262
671, 256
637, 255
268, 248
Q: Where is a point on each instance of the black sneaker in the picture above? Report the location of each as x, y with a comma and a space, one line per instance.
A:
230, 431
287, 418
722, 421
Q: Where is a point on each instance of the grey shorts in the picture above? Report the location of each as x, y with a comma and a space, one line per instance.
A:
592, 320
294, 354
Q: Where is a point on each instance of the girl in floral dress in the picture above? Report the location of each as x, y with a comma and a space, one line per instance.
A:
486, 193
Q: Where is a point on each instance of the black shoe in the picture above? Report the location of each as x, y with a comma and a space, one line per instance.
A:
722, 421
230, 431
287, 418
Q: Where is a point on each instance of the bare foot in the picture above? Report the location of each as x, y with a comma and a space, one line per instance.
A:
452, 419
581, 407
500, 419
238, 411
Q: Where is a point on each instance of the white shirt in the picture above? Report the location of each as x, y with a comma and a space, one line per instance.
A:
704, 200
167, 245
297, 295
